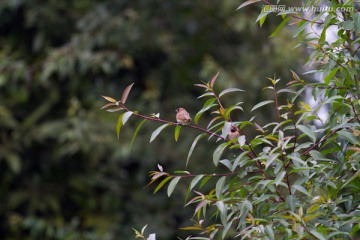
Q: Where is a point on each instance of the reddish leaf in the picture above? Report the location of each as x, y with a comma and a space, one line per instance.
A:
115, 109
109, 99
201, 85
213, 80
201, 204
108, 105
126, 93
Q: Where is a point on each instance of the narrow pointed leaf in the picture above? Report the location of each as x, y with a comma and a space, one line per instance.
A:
279, 27
226, 129
201, 85
136, 132
208, 104
271, 159
143, 229
317, 235
213, 80
126, 117
247, 3
109, 99
207, 94
126, 92
291, 201
357, 22
219, 187
300, 189
108, 105
157, 131
119, 125
177, 132
195, 181
200, 205
193, 146
229, 90
162, 183
218, 152
279, 177
172, 185
307, 131
261, 104
115, 109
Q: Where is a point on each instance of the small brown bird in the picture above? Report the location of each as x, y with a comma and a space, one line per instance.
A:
234, 132
182, 116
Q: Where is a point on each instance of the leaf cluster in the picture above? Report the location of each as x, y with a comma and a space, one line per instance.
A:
299, 176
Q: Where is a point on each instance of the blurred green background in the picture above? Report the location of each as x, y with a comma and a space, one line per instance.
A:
63, 172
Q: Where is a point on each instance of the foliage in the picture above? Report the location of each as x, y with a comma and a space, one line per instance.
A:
63, 174
299, 176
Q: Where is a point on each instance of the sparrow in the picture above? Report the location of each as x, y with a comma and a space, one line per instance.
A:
182, 116
234, 132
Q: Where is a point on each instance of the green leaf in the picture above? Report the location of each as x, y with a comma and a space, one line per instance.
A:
302, 146
330, 76
162, 183
291, 201
125, 93
172, 185
208, 104
219, 187
158, 130
271, 159
298, 162
196, 180
229, 90
221, 206
356, 18
136, 132
270, 232
300, 189
204, 181
317, 234
279, 177
280, 26
126, 117
348, 136
261, 104
193, 146
218, 152
247, 3
263, 14
347, 25
119, 125
177, 132
357, 174
248, 205
332, 99
308, 132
